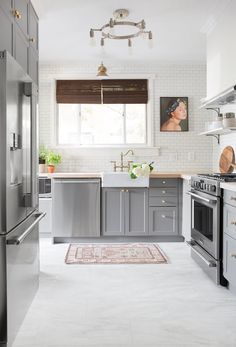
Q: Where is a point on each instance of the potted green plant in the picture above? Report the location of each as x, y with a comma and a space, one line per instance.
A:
53, 159
42, 159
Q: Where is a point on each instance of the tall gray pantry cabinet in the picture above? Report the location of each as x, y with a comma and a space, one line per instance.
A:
19, 34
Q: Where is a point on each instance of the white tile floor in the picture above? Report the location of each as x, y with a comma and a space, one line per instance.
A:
127, 305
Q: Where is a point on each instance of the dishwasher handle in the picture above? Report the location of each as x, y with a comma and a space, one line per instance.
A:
21, 238
67, 181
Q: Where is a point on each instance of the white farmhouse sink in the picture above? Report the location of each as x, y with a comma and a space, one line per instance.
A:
122, 179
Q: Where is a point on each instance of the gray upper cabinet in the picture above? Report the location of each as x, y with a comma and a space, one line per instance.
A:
6, 32
112, 211
136, 212
21, 49
20, 13
33, 28
7, 6
124, 212
19, 34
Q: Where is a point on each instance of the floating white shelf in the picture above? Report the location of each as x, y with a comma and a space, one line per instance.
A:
218, 132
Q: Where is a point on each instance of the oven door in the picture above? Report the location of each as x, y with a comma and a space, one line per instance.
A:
205, 221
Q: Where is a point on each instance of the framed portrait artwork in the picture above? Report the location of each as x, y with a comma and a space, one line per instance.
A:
174, 113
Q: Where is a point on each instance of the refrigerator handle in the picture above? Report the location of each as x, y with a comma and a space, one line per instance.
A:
18, 240
30, 90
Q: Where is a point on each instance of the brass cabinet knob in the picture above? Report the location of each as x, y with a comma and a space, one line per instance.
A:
32, 39
16, 14
163, 192
127, 190
122, 190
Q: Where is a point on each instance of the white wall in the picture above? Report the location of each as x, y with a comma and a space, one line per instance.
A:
186, 152
221, 52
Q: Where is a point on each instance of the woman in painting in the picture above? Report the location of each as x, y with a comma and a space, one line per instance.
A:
177, 111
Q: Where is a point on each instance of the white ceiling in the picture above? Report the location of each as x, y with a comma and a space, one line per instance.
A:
179, 29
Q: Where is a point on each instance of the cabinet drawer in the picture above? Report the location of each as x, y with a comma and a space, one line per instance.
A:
162, 201
163, 221
230, 220
230, 197
163, 182
229, 262
162, 192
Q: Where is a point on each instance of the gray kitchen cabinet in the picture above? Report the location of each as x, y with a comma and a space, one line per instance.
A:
20, 13
75, 208
163, 221
186, 210
113, 209
21, 46
19, 34
33, 28
124, 211
6, 32
229, 238
229, 260
164, 207
136, 212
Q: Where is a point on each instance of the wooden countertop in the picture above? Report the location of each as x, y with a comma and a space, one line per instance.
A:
154, 174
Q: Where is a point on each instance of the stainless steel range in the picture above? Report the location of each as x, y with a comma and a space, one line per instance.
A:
206, 223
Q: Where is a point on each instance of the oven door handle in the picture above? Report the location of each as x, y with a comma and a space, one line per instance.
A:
201, 198
207, 262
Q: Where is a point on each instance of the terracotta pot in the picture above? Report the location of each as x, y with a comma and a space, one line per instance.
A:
51, 168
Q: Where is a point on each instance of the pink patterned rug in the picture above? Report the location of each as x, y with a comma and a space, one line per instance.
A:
115, 253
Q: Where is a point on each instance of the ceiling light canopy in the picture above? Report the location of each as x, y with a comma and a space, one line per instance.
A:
130, 30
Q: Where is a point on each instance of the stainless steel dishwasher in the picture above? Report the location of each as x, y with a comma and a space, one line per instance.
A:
75, 209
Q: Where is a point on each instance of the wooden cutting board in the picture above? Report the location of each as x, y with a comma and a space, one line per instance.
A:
226, 163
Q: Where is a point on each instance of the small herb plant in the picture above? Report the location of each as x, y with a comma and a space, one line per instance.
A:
53, 159
42, 155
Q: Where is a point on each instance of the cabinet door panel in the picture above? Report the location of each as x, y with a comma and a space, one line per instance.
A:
21, 49
163, 221
112, 212
6, 6
6, 32
33, 28
22, 7
230, 220
229, 261
136, 212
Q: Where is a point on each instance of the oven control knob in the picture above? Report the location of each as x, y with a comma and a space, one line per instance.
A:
212, 188
202, 185
198, 184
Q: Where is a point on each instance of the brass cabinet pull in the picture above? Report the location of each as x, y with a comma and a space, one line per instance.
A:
233, 198
17, 14
233, 222
232, 255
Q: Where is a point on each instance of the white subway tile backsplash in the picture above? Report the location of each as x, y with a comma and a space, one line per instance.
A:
169, 80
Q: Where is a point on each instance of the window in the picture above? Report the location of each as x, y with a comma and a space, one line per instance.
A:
102, 124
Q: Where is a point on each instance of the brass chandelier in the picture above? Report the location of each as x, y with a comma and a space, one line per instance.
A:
106, 31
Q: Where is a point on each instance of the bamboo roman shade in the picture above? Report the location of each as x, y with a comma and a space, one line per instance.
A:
120, 91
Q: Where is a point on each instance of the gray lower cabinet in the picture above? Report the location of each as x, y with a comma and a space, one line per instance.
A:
163, 221
124, 211
76, 208
229, 259
164, 207
229, 238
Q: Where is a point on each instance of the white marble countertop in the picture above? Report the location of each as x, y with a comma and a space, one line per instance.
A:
228, 185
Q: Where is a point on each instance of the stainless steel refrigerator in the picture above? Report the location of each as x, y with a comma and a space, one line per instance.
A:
19, 217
